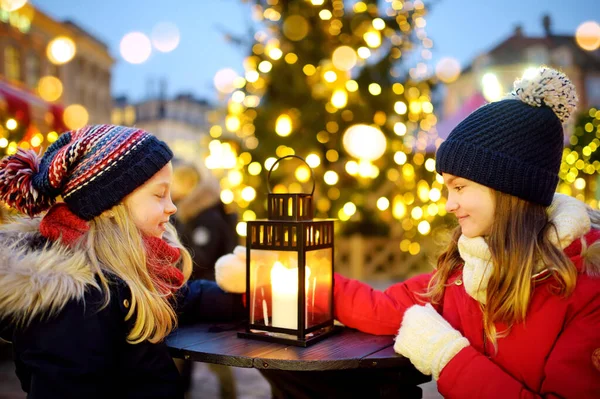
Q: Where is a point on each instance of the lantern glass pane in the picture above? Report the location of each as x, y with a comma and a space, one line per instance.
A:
274, 288
318, 286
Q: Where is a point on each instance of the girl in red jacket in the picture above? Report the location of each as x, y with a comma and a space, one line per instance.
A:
512, 309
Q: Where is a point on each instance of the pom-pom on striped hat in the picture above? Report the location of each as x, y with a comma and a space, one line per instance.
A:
92, 169
514, 145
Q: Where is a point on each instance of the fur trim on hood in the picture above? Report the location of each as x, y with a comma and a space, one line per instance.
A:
38, 277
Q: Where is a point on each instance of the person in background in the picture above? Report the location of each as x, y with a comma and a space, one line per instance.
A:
201, 220
513, 307
90, 290
208, 231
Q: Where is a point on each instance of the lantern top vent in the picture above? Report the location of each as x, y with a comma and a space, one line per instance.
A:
290, 207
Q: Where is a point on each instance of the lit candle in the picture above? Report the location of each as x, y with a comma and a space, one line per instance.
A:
284, 292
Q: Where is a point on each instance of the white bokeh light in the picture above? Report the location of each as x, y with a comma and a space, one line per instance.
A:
135, 47
165, 37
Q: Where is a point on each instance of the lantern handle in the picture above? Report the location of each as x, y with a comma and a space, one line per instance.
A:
312, 177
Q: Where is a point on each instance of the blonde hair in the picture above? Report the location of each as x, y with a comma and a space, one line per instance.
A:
518, 242
114, 245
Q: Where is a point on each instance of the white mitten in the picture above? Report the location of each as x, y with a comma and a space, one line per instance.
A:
428, 340
230, 271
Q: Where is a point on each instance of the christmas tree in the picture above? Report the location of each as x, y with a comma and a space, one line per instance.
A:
345, 87
581, 160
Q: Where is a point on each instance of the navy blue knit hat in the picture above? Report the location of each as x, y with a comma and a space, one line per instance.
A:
514, 145
92, 169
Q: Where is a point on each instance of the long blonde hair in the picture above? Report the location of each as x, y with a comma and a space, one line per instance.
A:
114, 245
519, 243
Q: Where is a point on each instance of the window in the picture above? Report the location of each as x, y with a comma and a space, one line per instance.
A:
32, 70
592, 89
537, 55
562, 57
12, 63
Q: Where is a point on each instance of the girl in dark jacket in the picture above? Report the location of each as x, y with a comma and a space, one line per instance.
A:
89, 291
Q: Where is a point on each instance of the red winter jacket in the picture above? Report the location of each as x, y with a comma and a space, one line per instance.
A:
555, 353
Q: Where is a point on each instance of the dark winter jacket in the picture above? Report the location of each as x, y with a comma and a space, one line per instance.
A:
66, 345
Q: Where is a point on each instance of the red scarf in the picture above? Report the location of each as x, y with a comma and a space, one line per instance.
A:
62, 224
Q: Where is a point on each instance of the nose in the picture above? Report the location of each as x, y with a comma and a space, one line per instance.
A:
451, 204
170, 209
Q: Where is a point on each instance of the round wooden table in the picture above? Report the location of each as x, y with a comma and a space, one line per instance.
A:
343, 363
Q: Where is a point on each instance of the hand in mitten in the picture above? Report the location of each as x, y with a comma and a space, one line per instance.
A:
230, 271
428, 340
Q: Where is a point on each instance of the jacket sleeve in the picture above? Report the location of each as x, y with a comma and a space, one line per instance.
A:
570, 370
359, 306
203, 300
71, 355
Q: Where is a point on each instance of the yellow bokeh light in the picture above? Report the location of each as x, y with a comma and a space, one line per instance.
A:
331, 178
383, 203
248, 193
275, 53
430, 164
227, 196
235, 177
375, 89
588, 36
241, 229
3, 142
400, 158
61, 50
249, 215
352, 168
309, 70
352, 86
372, 38
50, 88
400, 107
295, 27
265, 66
330, 76
339, 98
363, 52
11, 124
325, 15
290, 58
492, 89
283, 125
400, 128
378, 24
344, 58
52, 137
317, 2
332, 155
398, 207
251, 76
313, 160
37, 140
254, 168
349, 208
579, 183
447, 69
75, 116
303, 174
232, 123
424, 227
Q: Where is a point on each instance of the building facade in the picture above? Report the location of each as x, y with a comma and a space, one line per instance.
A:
86, 79
512, 57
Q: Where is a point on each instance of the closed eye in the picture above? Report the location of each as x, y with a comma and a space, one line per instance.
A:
458, 188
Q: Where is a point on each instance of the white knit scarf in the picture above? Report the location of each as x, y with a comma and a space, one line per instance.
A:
568, 214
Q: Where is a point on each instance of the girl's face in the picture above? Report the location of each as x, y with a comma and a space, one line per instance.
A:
150, 204
472, 203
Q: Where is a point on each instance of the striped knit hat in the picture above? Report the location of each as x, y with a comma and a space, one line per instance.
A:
92, 169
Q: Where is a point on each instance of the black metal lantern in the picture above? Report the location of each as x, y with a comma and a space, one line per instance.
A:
289, 271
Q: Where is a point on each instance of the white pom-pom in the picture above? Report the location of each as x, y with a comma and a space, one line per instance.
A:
549, 87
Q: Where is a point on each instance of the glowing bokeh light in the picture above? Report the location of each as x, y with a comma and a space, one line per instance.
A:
165, 37
135, 47
61, 50
447, 69
364, 142
588, 35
